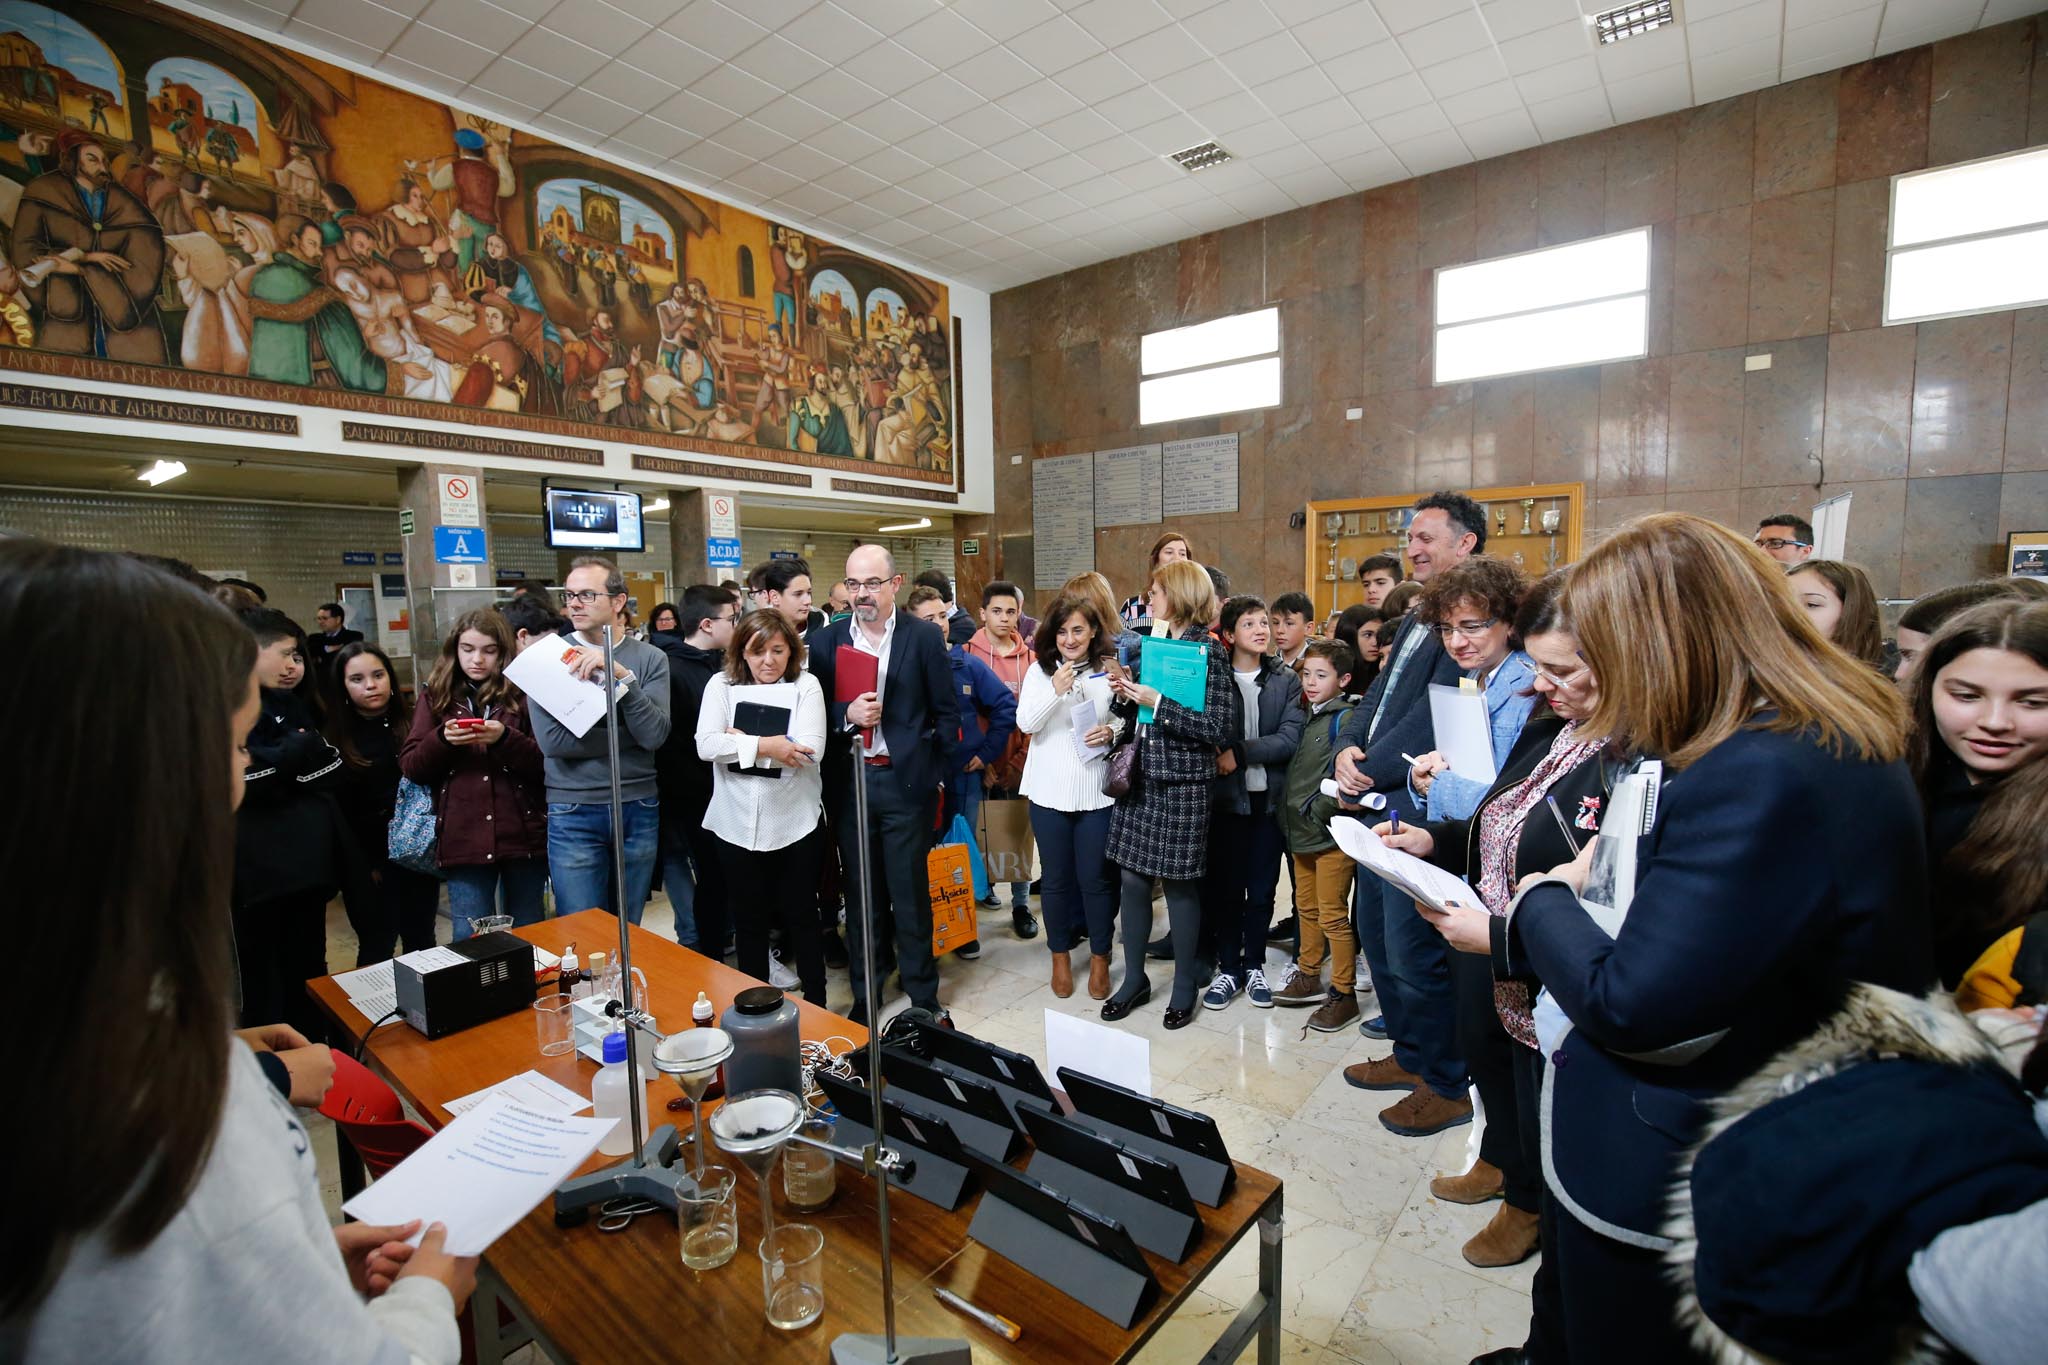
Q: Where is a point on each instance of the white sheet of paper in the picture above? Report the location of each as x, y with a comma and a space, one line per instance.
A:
363, 981
543, 959
1107, 1054
433, 959
1464, 733
484, 1172
1086, 719
1426, 882
542, 672
528, 1090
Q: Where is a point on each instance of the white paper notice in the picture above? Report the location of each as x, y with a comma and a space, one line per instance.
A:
542, 672
1464, 733
1426, 882
481, 1174
528, 1090
1086, 719
433, 959
1107, 1054
370, 989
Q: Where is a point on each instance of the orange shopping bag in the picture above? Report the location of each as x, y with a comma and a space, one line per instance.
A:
952, 888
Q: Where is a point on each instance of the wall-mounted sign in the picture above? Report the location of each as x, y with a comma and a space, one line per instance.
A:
394, 557
459, 503
405, 521
359, 556
458, 545
970, 547
722, 552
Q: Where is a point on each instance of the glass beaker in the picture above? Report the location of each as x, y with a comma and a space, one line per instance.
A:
793, 1276
810, 1175
709, 1219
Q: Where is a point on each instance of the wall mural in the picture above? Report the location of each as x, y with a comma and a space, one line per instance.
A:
189, 207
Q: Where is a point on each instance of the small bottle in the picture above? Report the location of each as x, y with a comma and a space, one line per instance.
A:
597, 977
701, 1013
572, 979
608, 1098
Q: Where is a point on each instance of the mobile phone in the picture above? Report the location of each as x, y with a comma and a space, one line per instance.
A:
469, 723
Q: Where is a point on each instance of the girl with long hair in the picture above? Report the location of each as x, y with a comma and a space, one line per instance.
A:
367, 722
1843, 605
472, 745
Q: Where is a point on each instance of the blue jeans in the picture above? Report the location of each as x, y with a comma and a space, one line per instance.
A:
580, 855
1416, 993
473, 892
964, 795
1080, 885
679, 879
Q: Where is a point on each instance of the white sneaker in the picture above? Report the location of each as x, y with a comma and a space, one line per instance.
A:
779, 976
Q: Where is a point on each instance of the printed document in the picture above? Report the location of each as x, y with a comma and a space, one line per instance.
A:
528, 1090
1464, 732
542, 672
1426, 882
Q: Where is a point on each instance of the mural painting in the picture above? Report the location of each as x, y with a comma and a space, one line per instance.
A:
186, 206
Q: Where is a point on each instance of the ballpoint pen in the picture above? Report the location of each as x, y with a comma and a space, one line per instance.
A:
995, 1322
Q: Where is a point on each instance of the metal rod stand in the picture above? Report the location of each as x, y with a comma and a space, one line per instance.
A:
851, 1348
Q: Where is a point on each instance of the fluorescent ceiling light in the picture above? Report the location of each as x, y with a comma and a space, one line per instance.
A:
1968, 238
1210, 343
1555, 339
1204, 393
1599, 267
920, 524
1975, 197
163, 471
1983, 274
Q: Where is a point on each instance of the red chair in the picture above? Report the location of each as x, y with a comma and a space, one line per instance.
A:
371, 1122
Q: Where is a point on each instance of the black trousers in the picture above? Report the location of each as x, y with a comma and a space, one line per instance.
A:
709, 905
897, 901
401, 911
1511, 1138
1616, 1304
777, 889
282, 944
1546, 1305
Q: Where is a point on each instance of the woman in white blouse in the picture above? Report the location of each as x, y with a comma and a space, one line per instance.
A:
766, 794
1069, 813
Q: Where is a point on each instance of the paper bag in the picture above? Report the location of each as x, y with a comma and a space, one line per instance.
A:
1004, 829
946, 866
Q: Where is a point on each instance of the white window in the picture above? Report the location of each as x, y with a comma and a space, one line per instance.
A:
1582, 303
1229, 365
1968, 238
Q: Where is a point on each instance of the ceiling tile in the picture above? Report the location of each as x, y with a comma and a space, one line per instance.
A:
1581, 73
1801, 13
1079, 128
1499, 133
1231, 25
1368, 66
661, 140
1748, 24
1039, 103
597, 25
1570, 115
716, 28
735, 90
833, 33
1410, 123
1262, 138
1854, 31
792, 118
1265, 60
1135, 108
780, 62
1659, 47
805, 161
1464, 73
892, 68
1326, 117
630, 85
994, 72
461, 61
1229, 113
1114, 153
1650, 94
1484, 102
1298, 91
1161, 52
1402, 16
851, 181
1368, 169
586, 107
1738, 64
935, 185
845, 143
370, 25
752, 139
1002, 20
1101, 77
1343, 29
1170, 134
708, 163
1054, 46
1117, 21
944, 39
685, 109
1027, 149
937, 145
1403, 92
1432, 152
840, 94
1512, 18
938, 98
1547, 46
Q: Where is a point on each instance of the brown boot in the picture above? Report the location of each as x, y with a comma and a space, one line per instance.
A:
1383, 1074
1422, 1112
1338, 1013
1062, 975
1098, 977
1510, 1239
1476, 1186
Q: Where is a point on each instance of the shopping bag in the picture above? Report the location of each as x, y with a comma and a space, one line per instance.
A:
960, 832
952, 897
1006, 846
410, 837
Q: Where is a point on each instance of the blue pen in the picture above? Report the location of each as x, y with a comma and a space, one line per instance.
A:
1395, 814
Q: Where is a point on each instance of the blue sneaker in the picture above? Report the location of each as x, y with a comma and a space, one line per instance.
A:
1221, 992
1257, 991
1375, 1027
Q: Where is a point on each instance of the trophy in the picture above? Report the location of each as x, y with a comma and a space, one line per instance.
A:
1332, 525
1372, 523
1553, 517
1528, 510
1500, 521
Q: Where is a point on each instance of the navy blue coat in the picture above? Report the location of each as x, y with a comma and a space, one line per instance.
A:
1776, 873
920, 718
983, 695
1406, 728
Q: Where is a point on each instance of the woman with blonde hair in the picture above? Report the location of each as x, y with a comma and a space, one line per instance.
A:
1782, 861
1160, 827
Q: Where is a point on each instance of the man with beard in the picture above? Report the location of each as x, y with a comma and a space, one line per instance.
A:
98, 258
418, 247
584, 361
501, 375
303, 331
816, 423
496, 271
366, 282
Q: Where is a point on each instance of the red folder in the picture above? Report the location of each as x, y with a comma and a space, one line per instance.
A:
854, 674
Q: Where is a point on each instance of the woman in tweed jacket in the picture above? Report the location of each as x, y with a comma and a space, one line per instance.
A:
1161, 828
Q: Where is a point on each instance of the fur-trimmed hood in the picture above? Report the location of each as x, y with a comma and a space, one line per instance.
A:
1795, 1214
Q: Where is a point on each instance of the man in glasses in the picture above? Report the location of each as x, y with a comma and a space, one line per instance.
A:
907, 725
579, 769
1786, 537
1411, 967
696, 651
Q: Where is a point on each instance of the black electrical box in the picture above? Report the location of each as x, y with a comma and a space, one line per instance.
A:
447, 989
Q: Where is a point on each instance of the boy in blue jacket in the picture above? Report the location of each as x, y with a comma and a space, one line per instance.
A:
983, 696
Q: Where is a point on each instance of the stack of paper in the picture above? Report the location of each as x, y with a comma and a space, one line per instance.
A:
1426, 882
542, 672
370, 990
528, 1090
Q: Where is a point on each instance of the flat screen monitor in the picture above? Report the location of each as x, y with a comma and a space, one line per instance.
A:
579, 519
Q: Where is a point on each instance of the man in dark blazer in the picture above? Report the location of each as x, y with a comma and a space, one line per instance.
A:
911, 720
1411, 967
332, 637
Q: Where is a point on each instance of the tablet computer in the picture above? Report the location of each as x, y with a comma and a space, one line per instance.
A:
999, 1064
1113, 1162
1062, 1215
1127, 1109
857, 1103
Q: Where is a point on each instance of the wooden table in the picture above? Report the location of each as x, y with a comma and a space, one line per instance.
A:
595, 1296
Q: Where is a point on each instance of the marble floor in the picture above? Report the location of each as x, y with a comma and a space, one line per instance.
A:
1371, 1273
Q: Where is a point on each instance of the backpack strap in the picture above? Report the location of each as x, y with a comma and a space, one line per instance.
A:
2030, 963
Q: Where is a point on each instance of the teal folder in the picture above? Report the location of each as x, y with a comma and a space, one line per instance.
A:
1178, 668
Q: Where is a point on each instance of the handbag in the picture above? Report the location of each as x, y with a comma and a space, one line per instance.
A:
1120, 778
410, 840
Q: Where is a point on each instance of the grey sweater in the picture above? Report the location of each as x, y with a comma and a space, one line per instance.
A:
247, 1270
577, 769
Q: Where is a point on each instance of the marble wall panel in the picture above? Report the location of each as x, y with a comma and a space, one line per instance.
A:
1795, 136
1706, 420
2022, 504
1446, 210
1009, 314
1503, 431
1710, 280
1869, 424
1155, 279
1791, 255
1566, 406
1117, 354
1199, 287
1782, 408
1338, 361
1290, 255
1289, 454
1338, 241
1642, 173
1882, 108
1443, 437
1716, 155
1960, 375
1389, 217
1610, 512
1081, 392
1856, 289
1387, 450
1048, 379
1718, 504
1241, 267
2026, 414
1635, 427
1982, 88
1508, 191
1571, 200
1951, 533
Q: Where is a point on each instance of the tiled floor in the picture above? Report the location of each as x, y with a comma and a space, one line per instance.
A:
1372, 1272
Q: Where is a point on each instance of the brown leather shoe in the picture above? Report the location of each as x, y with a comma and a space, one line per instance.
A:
1098, 977
1476, 1186
1422, 1112
1510, 1239
1383, 1074
1062, 975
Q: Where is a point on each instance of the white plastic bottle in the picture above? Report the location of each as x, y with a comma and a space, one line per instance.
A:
608, 1098
572, 979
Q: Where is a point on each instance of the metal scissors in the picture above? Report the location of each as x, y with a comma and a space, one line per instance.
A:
617, 1214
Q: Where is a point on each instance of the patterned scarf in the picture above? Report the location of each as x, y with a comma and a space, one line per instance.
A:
1500, 830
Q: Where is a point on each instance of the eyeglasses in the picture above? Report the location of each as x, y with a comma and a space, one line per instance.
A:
1778, 543
1471, 630
1562, 684
584, 597
870, 585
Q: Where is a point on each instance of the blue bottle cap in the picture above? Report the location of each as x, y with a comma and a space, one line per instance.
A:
614, 1048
